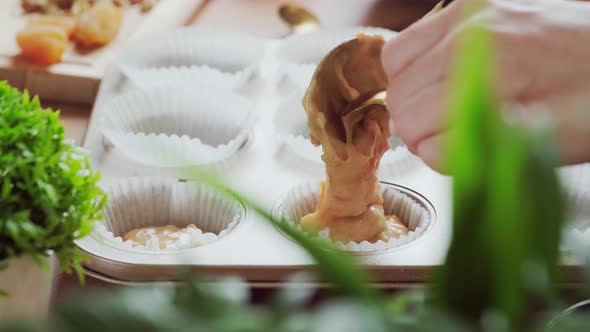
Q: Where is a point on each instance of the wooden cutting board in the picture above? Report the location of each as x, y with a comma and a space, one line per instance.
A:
77, 77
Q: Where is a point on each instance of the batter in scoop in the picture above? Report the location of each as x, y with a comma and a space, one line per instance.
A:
350, 203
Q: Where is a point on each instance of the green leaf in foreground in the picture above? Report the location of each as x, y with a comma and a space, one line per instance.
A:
570, 322
337, 267
506, 200
464, 282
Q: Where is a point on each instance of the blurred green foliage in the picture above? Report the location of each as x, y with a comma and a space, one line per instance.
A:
48, 195
340, 270
507, 208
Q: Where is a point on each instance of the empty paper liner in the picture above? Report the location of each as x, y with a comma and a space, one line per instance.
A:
310, 48
227, 51
193, 76
299, 54
177, 126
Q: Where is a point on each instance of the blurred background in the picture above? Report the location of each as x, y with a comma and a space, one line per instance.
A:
72, 85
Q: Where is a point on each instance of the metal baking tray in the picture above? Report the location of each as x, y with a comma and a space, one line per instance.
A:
257, 251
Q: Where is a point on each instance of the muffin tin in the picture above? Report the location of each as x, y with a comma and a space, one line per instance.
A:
260, 165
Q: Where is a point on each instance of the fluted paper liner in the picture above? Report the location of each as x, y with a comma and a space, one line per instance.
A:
311, 47
228, 51
576, 185
291, 127
180, 126
412, 211
576, 241
193, 76
300, 52
154, 201
296, 75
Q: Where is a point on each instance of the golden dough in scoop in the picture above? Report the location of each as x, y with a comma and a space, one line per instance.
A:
350, 202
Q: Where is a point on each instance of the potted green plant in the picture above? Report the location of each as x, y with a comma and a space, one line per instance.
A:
48, 198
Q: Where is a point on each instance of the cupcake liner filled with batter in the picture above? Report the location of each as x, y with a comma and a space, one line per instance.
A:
162, 214
411, 210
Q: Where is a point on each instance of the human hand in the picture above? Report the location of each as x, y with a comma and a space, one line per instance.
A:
542, 57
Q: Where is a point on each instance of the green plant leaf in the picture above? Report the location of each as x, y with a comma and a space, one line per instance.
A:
463, 285
49, 195
335, 266
434, 320
407, 304
572, 322
506, 200
20, 327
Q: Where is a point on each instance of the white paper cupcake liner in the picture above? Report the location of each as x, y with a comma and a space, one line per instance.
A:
296, 76
225, 50
576, 242
172, 126
310, 48
194, 76
291, 127
299, 54
576, 184
153, 201
413, 210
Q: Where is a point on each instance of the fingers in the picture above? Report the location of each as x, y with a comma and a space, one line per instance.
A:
417, 65
570, 121
433, 64
431, 151
420, 116
415, 95
417, 39
432, 67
